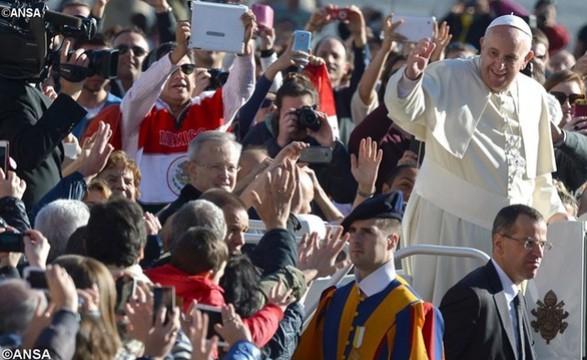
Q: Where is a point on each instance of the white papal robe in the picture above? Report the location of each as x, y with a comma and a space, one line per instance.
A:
484, 151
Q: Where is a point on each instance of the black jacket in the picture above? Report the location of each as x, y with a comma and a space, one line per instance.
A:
188, 193
35, 128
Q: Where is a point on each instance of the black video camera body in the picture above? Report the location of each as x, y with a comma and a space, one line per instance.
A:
103, 63
28, 39
217, 78
308, 118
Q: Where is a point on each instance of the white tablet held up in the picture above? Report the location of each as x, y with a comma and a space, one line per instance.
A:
415, 28
217, 27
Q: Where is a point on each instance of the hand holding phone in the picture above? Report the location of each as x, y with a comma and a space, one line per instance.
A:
125, 289
35, 277
264, 15
415, 28
340, 14
163, 297
316, 155
214, 317
302, 41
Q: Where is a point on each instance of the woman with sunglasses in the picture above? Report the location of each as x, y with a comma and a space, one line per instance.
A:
567, 87
569, 136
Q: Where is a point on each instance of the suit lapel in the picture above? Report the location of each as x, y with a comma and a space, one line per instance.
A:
502, 306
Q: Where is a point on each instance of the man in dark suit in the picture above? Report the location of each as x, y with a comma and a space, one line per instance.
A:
481, 312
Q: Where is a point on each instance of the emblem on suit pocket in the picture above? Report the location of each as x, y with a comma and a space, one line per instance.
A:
549, 317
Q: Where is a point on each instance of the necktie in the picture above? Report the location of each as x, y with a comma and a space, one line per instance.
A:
520, 317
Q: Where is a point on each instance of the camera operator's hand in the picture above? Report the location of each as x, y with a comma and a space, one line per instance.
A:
78, 58
324, 135
182, 34
288, 126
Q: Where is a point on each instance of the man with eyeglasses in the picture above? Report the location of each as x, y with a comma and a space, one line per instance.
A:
160, 117
133, 49
485, 313
212, 163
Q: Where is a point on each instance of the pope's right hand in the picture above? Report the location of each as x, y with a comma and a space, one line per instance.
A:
418, 59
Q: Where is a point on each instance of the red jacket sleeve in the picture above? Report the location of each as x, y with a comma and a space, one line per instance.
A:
264, 323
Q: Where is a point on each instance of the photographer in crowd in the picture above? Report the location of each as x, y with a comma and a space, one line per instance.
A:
35, 127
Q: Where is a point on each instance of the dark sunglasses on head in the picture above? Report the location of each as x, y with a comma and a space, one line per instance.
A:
562, 97
266, 103
187, 69
137, 50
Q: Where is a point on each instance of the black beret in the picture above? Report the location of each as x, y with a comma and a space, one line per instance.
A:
384, 206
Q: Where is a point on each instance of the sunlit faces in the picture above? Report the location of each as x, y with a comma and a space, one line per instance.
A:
121, 181
369, 247
130, 63
518, 262
504, 51
567, 88
237, 224
180, 84
334, 54
216, 166
287, 120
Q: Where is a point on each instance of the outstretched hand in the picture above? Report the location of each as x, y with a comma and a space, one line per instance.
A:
419, 58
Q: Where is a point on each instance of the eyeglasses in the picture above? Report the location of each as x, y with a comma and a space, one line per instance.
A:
530, 243
187, 69
232, 169
137, 50
562, 97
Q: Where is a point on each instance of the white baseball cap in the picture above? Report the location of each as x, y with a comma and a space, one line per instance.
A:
511, 20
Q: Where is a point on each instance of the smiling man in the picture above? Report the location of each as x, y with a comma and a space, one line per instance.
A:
481, 319
488, 145
160, 117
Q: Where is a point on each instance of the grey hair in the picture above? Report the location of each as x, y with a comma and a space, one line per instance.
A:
18, 304
197, 144
197, 213
58, 220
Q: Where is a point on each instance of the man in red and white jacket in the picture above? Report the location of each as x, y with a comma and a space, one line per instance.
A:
160, 118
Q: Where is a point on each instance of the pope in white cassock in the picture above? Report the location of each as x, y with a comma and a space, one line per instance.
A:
488, 145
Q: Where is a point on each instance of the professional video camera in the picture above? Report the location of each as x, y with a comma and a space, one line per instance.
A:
27, 31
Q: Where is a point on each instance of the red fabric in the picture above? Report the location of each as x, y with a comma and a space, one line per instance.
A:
558, 38
321, 80
110, 115
160, 133
263, 324
187, 287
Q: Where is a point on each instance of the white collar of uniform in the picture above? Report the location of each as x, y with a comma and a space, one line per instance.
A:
378, 279
509, 288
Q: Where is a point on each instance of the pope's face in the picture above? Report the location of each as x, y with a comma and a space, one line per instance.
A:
505, 50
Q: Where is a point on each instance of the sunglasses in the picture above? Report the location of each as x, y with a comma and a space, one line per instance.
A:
562, 97
187, 69
137, 50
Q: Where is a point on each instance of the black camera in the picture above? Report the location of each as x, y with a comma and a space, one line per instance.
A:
308, 118
103, 63
217, 79
27, 29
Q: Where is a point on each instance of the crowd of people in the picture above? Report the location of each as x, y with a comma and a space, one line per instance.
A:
132, 196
